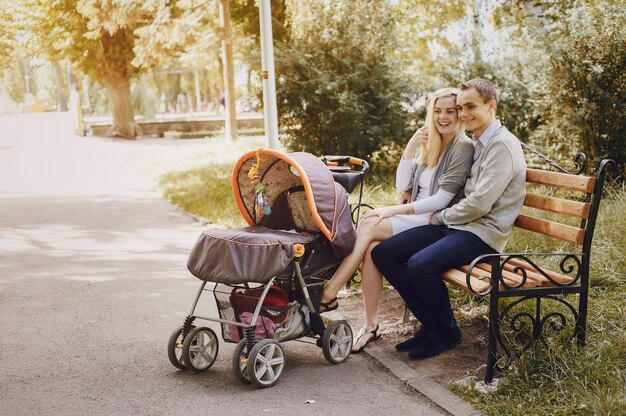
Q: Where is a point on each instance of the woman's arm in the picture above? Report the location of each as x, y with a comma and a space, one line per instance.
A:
433, 203
406, 167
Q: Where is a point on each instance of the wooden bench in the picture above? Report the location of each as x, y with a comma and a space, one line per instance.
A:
518, 275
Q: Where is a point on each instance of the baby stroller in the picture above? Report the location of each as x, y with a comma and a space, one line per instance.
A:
267, 278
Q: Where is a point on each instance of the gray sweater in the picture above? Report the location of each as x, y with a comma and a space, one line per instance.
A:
450, 173
494, 192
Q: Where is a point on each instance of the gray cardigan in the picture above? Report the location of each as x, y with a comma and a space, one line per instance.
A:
450, 173
494, 192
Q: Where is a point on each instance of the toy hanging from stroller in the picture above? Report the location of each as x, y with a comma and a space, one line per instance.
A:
267, 278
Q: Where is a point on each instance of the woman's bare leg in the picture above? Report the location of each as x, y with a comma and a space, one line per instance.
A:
366, 233
372, 288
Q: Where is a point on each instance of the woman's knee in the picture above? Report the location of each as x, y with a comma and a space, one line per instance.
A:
368, 252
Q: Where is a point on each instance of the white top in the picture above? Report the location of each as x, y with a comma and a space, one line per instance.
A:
424, 183
424, 203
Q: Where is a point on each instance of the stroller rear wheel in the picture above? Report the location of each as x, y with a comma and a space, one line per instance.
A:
337, 342
266, 363
175, 349
240, 363
200, 349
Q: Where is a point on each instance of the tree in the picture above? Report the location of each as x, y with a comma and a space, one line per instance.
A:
97, 38
340, 89
229, 71
579, 55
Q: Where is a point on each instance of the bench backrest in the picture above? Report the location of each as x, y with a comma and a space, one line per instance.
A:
585, 207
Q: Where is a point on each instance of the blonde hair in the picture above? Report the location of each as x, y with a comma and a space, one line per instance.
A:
430, 153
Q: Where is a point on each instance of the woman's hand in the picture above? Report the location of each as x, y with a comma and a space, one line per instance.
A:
419, 138
378, 214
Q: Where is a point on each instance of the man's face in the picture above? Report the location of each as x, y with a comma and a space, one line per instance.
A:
474, 111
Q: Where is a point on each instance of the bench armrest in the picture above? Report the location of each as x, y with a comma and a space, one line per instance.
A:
570, 264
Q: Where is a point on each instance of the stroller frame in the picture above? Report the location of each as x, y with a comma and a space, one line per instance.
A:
260, 359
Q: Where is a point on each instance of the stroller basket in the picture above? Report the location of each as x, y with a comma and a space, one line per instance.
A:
278, 318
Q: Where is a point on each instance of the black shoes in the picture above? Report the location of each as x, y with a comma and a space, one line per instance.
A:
411, 343
435, 343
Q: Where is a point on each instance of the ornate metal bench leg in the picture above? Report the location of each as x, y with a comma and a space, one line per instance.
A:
494, 328
581, 323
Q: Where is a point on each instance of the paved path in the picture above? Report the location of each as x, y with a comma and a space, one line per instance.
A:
93, 281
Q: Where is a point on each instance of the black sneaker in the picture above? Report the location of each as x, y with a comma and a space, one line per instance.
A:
411, 343
437, 342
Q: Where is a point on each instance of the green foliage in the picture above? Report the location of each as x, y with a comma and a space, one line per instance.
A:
570, 57
206, 192
339, 88
587, 82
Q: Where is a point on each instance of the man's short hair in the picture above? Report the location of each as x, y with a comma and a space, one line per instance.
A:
485, 89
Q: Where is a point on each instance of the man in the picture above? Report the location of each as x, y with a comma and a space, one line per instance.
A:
414, 260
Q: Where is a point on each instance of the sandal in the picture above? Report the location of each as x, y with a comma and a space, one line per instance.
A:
364, 331
328, 306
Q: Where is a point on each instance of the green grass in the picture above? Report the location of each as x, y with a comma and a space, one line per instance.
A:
559, 379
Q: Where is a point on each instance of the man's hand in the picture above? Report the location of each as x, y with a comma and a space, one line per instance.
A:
405, 198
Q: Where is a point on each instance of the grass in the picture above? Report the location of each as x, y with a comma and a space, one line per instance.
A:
559, 379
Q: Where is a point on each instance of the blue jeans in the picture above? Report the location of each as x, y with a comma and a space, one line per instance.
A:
413, 262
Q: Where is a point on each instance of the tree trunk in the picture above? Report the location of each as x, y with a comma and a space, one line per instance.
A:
229, 78
116, 55
61, 91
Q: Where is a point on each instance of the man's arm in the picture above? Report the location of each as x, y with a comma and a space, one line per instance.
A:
495, 176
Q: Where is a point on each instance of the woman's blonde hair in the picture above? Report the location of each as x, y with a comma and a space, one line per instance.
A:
430, 153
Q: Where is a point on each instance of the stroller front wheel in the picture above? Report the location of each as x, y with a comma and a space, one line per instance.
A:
337, 342
266, 363
175, 348
240, 363
200, 349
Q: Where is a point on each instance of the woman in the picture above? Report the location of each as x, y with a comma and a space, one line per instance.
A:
430, 181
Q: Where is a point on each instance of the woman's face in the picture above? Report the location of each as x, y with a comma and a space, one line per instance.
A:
446, 116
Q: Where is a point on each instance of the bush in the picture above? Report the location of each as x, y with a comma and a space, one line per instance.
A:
340, 90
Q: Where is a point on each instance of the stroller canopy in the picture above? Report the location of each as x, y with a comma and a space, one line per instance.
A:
300, 192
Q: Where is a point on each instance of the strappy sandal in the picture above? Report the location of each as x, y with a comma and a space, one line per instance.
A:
326, 306
376, 336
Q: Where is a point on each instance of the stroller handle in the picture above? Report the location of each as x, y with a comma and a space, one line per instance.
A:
338, 163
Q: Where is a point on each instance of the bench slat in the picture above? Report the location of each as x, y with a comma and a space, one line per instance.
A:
480, 271
558, 205
511, 279
457, 278
561, 180
554, 229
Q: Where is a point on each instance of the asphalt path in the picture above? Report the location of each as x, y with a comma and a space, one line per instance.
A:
93, 281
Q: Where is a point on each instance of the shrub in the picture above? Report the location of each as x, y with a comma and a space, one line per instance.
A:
339, 88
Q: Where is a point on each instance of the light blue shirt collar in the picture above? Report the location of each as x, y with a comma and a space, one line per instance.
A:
489, 132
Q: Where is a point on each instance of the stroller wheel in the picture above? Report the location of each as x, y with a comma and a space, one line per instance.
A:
240, 363
175, 349
200, 349
337, 342
266, 363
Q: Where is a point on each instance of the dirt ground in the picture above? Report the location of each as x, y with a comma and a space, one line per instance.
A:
467, 359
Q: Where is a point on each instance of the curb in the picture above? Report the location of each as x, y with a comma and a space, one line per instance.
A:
424, 385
